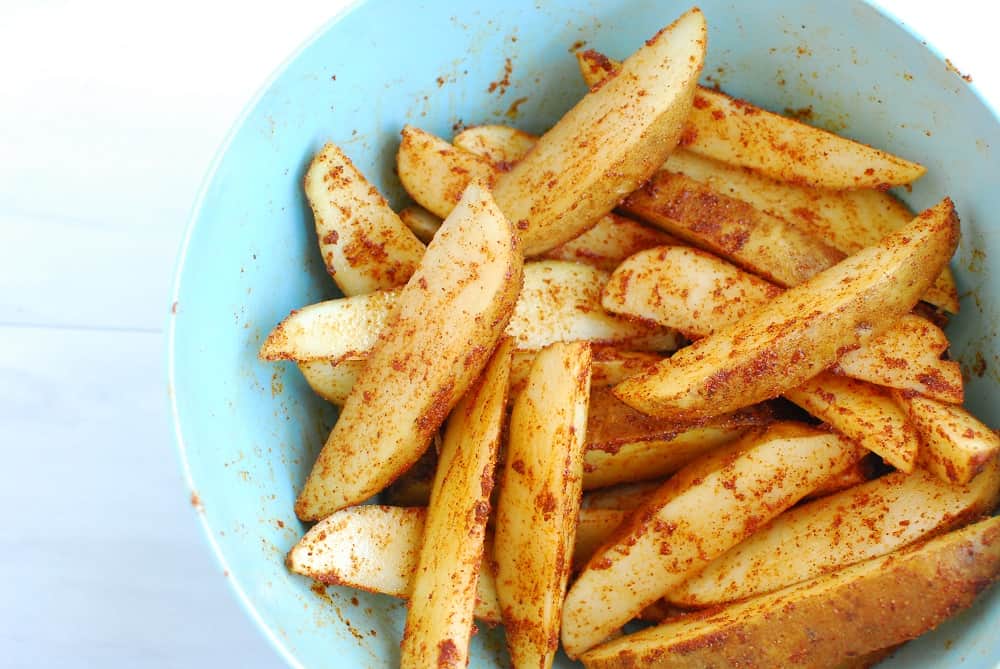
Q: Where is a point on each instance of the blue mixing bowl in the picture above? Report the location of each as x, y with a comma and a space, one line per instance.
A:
248, 431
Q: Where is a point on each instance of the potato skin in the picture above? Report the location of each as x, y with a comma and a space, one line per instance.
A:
862, 608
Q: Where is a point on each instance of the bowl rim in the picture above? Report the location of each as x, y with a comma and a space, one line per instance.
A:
237, 588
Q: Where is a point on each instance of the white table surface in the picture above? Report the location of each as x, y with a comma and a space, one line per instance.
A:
110, 112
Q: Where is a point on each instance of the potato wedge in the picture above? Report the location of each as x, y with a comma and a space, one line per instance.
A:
862, 471
907, 356
803, 331
866, 521
364, 244
593, 529
376, 549
561, 301
435, 173
500, 144
867, 606
423, 223
446, 323
955, 446
609, 366
847, 220
413, 487
643, 460
705, 509
624, 497
331, 331
443, 594
613, 239
862, 412
331, 380
755, 240
608, 143
736, 132
539, 501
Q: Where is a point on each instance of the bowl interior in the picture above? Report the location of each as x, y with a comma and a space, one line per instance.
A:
248, 431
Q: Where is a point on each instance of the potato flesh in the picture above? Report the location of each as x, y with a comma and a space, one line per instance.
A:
376, 549
443, 595
955, 445
435, 173
835, 616
847, 220
364, 244
500, 144
610, 241
423, 223
671, 538
866, 521
738, 133
803, 331
330, 380
755, 240
539, 501
446, 323
608, 143
862, 412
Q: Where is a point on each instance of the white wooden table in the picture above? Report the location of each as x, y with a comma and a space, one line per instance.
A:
109, 114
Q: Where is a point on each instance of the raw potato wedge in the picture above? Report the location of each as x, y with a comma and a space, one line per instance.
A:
376, 549
803, 331
594, 528
907, 356
423, 223
610, 365
862, 471
332, 380
331, 331
738, 133
755, 240
435, 173
867, 606
443, 595
847, 220
608, 143
445, 325
955, 446
862, 412
500, 144
413, 487
624, 497
613, 239
364, 244
561, 301
539, 501
872, 519
704, 510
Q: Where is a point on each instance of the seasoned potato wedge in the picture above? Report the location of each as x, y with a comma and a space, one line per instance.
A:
610, 366
608, 143
594, 528
624, 497
847, 220
803, 331
435, 173
331, 331
862, 412
423, 223
413, 487
872, 519
377, 549
736, 132
862, 471
539, 501
864, 607
907, 356
500, 144
705, 509
561, 301
446, 323
755, 240
443, 594
364, 244
613, 239
954, 444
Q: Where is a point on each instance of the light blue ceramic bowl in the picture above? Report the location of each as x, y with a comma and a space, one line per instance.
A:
248, 431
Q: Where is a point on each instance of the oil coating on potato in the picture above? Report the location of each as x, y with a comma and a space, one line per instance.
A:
864, 607
803, 331
446, 323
